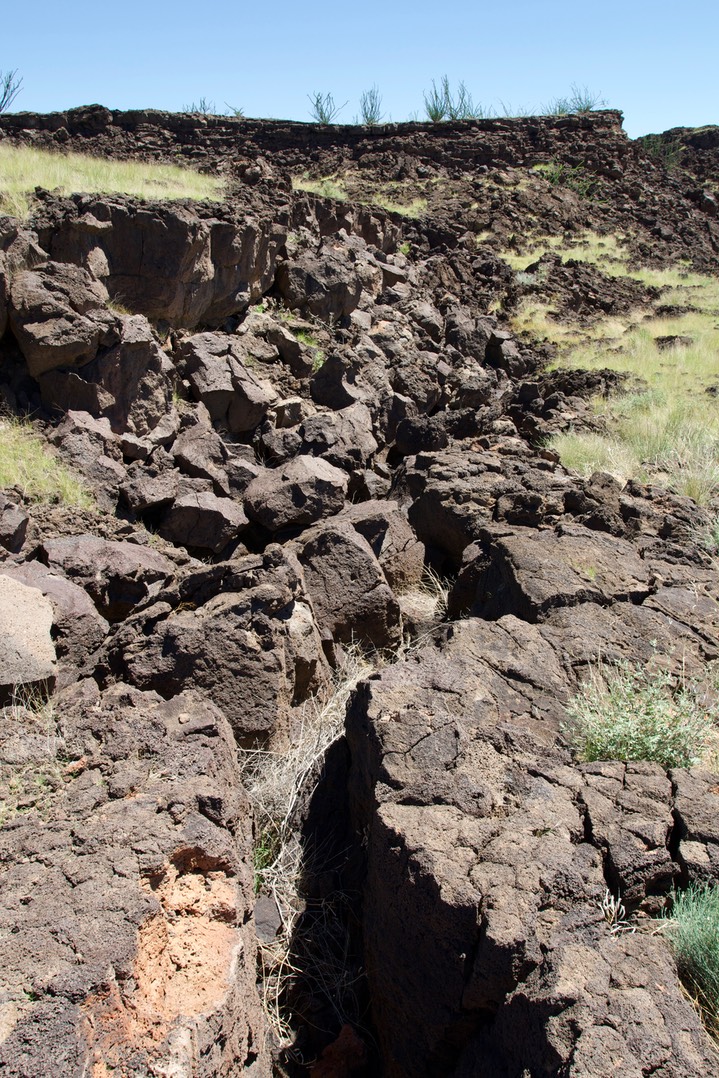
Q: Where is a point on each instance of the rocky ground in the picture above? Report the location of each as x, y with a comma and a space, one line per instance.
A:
286, 408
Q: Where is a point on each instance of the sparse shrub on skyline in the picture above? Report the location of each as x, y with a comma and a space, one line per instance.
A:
204, 107
10, 87
371, 106
580, 100
442, 104
323, 109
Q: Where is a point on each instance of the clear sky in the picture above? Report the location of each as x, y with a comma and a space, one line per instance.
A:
657, 61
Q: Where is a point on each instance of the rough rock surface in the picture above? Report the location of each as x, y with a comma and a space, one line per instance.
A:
309, 404
127, 894
58, 315
13, 524
485, 942
243, 633
78, 629
182, 263
116, 576
27, 660
296, 494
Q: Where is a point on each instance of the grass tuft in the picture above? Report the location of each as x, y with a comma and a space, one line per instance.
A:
22, 168
31, 772
693, 931
29, 465
626, 712
325, 187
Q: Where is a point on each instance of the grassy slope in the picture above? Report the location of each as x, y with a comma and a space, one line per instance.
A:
29, 465
668, 429
23, 168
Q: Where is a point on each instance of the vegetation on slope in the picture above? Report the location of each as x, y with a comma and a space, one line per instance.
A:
628, 713
694, 934
666, 429
28, 465
22, 168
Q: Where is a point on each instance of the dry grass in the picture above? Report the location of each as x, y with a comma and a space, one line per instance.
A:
27, 464
416, 207
276, 781
393, 197
325, 187
667, 431
602, 251
31, 769
23, 168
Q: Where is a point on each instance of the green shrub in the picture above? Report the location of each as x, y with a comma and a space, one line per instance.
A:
371, 106
441, 103
625, 712
693, 930
323, 108
573, 177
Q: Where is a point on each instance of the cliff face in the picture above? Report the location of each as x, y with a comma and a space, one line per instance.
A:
215, 140
286, 406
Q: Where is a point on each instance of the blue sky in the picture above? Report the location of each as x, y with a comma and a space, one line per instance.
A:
656, 61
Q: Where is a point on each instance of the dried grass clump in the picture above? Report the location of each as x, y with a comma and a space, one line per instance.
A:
23, 168
276, 782
26, 463
31, 769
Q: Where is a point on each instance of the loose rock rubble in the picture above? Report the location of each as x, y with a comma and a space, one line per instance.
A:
286, 409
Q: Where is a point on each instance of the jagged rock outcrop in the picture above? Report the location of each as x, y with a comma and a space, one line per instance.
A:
488, 856
180, 263
128, 892
307, 402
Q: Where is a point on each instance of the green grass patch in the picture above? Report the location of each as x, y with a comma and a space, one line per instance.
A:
627, 712
28, 464
416, 207
325, 187
667, 431
23, 168
693, 931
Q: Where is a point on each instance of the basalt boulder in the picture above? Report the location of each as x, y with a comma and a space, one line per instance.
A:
28, 665
242, 631
129, 384
13, 524
116, 575
128, 892
218, 371
296, 494
78, 629
352, 600
58, 315
182, 263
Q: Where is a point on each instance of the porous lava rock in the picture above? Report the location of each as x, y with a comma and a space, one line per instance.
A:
128, 893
